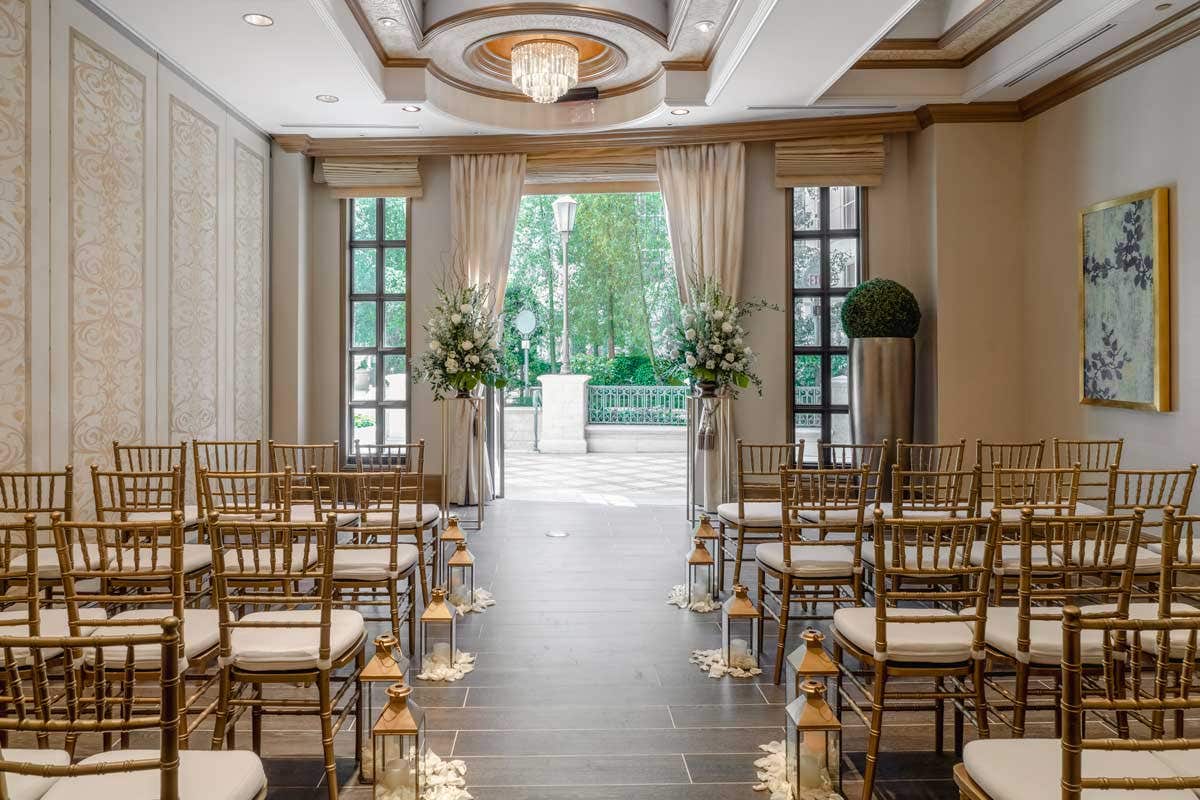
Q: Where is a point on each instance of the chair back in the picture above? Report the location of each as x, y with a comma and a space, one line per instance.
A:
930, 457
1010, 455
809, 495
152, 458
758, 471
1151, 490
1091, 562
373, 500
932, 552
260, 564
118, 494
1139, 689
845, 456
1179, 573
256, 495
37, 493
224, 456
927, 493
76, 708
21, 590
1047, 490
1094, 457
387, 457
302, 458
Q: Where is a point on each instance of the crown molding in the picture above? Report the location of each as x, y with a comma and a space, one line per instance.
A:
941, 113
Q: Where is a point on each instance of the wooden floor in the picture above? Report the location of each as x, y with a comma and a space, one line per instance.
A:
583, 689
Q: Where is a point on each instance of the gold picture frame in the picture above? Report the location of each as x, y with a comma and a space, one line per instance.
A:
1125, 302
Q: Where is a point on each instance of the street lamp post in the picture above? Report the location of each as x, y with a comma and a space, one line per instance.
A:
564, 223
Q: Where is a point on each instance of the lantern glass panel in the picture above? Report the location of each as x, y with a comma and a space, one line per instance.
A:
701, 582
813, 755
461, 581
399, 758
739, 641
437, 644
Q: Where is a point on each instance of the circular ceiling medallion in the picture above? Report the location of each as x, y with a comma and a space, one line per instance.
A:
598, 58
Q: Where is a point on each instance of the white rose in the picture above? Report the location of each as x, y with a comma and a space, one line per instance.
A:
467, 344
749, 352
710, 364
474, 359
456, 318
451, 365
726, 327
690, 359
690, 334
465, 308
718, 314
703, 306
435, 345
729, 357
738, 341
716, 348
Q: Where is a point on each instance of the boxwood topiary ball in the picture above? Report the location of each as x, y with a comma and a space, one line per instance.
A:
880, 308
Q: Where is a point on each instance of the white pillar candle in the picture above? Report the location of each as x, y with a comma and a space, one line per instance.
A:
700, 591
739, 655
441, 652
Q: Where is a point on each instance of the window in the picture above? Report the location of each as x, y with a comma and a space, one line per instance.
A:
827, 262
376, 314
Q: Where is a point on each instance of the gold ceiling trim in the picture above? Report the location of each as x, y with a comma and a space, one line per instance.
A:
612, 59
545, 9
517, 97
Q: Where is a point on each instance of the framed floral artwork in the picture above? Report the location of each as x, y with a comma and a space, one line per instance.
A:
1124, 302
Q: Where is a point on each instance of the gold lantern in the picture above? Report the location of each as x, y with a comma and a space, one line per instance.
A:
460, 576
447, 544
388, 666
814, 742
712, 540
438, 639
701, 574
740, 632
398, 742
810, 661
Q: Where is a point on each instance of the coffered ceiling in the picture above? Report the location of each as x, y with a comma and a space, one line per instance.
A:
430, 68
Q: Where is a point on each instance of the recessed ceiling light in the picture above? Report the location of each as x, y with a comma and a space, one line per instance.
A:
680, 112
388, 22
1163, 6
258, 20
410, 109
327, 98
705, 25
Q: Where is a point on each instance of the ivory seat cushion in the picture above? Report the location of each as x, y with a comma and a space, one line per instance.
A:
759, 514
1145, 560
825, 561
307, 513
270, 558
191, 516
1149, 639
847, 537
910, 556
47, 560
201, 633
196, 558
1045, 636
371, 564
1031, 769
931, 513
52, 622
31, 787
1014, 514
1010, 556
1083, 509
291, 649
849, 515
203, 775
909, 642
406, 514
1185, 552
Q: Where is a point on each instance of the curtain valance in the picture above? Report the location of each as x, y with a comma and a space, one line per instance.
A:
834, 161
398, 176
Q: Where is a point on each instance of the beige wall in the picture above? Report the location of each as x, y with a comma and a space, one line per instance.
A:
1134, 132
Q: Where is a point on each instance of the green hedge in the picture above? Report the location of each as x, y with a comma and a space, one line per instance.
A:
880, 308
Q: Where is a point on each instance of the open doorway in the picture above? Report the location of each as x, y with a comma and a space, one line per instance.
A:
623, 300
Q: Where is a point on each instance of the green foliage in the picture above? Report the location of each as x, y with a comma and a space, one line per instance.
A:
624, 370
880, 308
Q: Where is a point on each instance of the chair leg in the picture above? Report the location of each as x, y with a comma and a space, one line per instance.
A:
256, 720
394, 606
412, 619
939, 716
876, 730
421, 566
222, 714
981, 714
737, 564
1020, 700
1057, 705
762, 595
785, 600
326, 702
721, 555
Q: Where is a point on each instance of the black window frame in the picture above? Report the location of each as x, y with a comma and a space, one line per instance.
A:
350, 353
825, 294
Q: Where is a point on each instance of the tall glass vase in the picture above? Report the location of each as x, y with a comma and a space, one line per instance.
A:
709, 450
466, 475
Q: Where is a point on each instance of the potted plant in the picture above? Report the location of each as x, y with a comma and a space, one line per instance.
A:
362, 376
880, 318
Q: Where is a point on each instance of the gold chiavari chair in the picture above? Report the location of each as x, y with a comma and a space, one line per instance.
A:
410, 460
222, 456
296, 639
1088, 558
852, 456
141, 574
84, 708
40, 494
248, 495
757, 514
812, 569
897, 640
161, 458
368, 558
1094, 457
1009, 455
303, 458
947, 457
934, 494
1077, 766
1047, 491
1151, 490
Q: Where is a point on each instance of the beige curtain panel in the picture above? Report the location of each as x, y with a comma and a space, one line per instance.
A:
485, 196
836, 161
392, 176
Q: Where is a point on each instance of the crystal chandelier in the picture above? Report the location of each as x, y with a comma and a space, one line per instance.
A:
545, 69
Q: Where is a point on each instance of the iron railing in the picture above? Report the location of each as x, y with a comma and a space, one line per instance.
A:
637, 405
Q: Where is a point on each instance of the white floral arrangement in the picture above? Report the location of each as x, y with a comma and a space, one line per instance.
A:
463, 338
710, 343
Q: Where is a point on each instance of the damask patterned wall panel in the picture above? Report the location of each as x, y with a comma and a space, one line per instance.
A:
15, 77
249, 260
194, 246
107, 239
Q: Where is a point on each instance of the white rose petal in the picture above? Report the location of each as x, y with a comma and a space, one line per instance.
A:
456, 318
690, 359
718, 314
690, 334
716, 348
730, 357
726, 327
467, 344
465, 308
710, 364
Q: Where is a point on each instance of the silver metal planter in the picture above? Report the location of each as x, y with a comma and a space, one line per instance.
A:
881, 393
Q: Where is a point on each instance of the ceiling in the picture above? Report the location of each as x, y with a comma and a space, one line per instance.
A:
438, 67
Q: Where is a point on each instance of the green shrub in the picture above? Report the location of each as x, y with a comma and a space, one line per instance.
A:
880, 308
